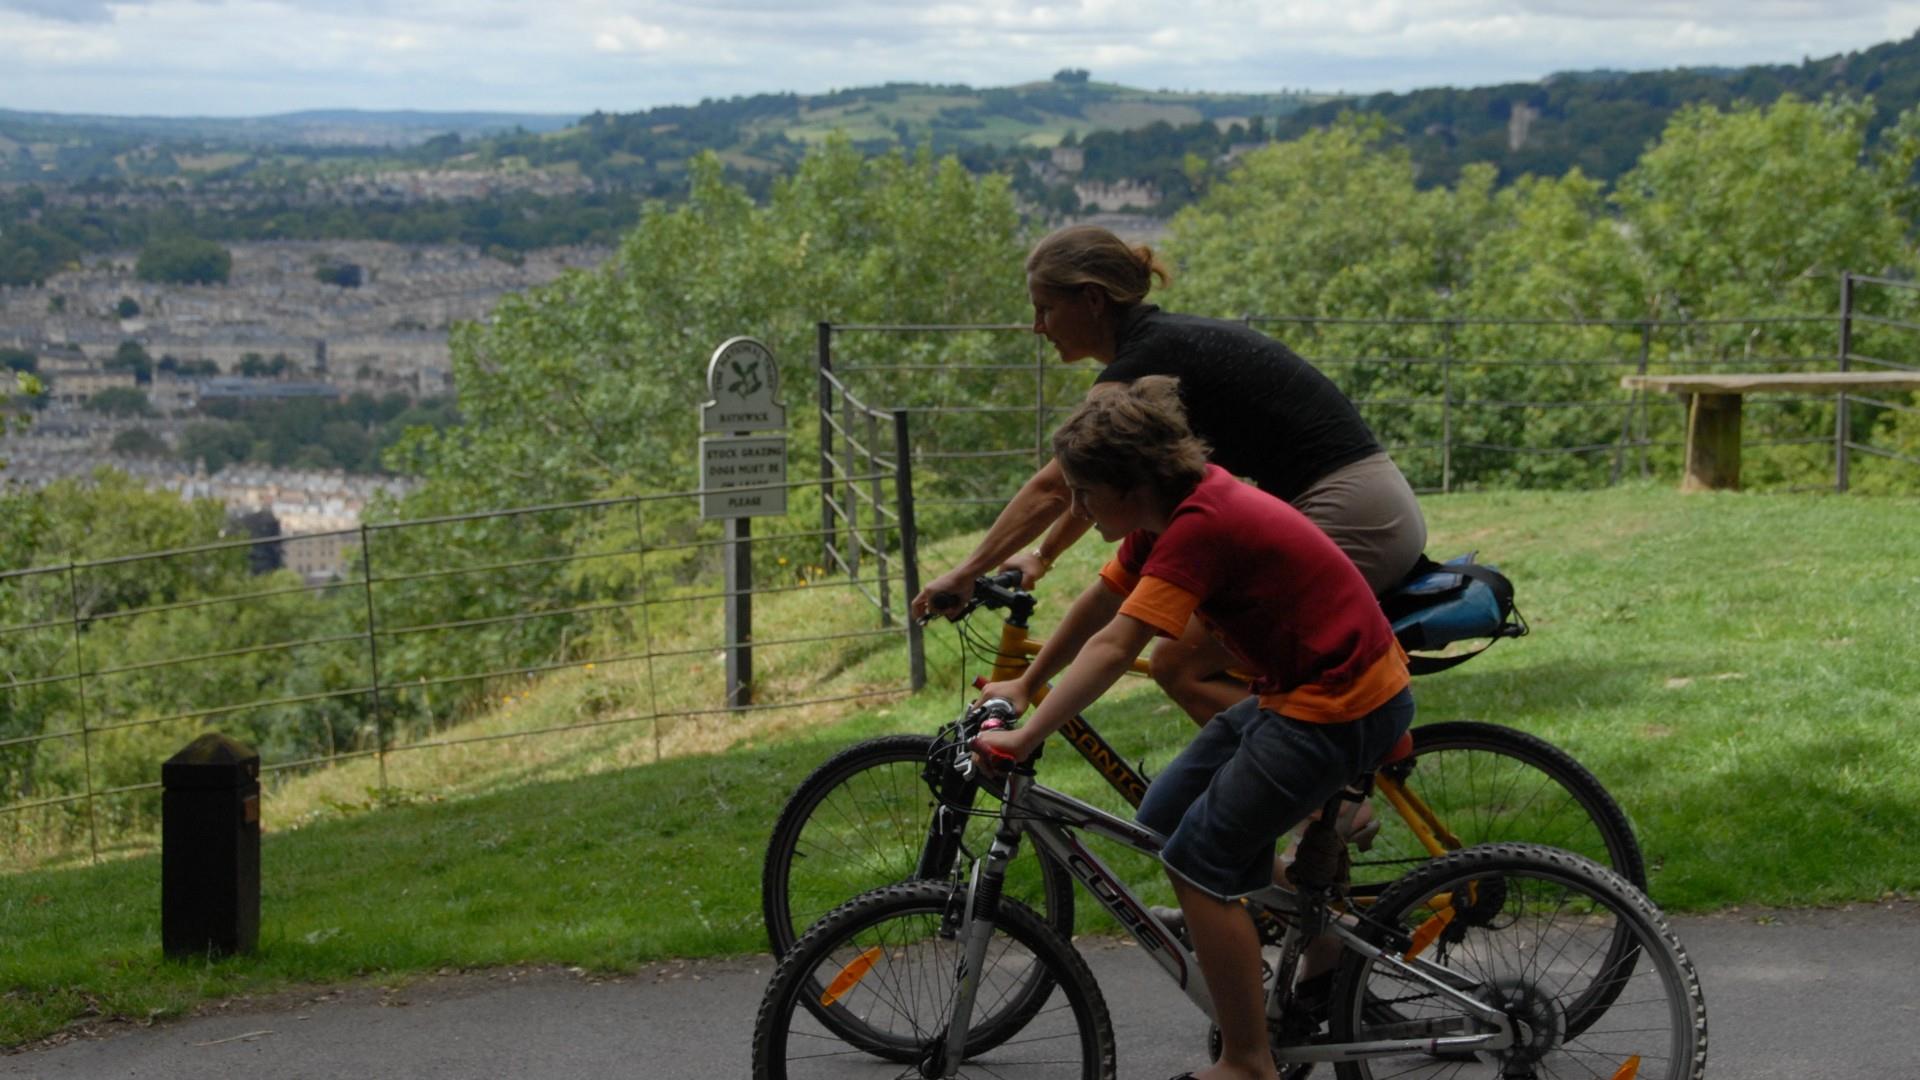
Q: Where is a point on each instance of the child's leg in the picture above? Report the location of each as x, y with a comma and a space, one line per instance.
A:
1228, 947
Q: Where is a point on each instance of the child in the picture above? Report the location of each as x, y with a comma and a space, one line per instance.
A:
1330, 698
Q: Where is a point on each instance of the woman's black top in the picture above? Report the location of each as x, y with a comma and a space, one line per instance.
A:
1270, 416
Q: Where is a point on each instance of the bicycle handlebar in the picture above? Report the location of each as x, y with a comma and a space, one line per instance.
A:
993, 714
1001, 590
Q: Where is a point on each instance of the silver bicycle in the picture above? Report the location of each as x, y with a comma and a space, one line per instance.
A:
1502, 960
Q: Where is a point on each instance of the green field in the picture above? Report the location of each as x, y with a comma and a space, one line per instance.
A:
1738, 670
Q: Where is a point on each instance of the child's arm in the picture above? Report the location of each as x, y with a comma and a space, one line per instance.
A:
1106, 657
1094, 608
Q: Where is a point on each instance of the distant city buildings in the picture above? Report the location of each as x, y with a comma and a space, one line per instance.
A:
283, 318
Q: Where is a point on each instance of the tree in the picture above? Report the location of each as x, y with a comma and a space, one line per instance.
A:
132, 356
184, 260
121, 401
344, 274
127, 308
139, 442
215, 443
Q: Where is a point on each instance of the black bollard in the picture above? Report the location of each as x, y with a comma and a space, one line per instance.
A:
210, 849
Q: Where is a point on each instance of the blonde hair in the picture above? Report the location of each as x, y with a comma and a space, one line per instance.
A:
1125, 435
1090, 255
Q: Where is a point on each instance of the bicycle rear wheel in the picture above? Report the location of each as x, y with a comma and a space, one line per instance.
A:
1536, 933
862, 820
869, 990
1484, 783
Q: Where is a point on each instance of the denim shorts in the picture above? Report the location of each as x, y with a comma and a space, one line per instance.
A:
1249, 777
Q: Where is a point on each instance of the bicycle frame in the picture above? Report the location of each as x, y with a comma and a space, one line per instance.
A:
1015, 652
1050, 817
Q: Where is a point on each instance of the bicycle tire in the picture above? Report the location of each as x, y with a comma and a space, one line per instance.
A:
1490, 784
862, 818
1543, 946
893, 964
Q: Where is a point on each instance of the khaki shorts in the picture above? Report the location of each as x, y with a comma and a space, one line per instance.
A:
1369, 510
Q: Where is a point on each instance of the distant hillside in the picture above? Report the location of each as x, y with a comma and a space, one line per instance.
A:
1602, 120
768, 133
641, 152
314, 127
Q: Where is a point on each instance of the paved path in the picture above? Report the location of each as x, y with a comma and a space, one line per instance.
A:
1816, 995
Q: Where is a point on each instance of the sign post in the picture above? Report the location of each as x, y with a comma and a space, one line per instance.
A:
742, 476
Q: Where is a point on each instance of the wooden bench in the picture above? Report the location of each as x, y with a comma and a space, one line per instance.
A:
1713, 411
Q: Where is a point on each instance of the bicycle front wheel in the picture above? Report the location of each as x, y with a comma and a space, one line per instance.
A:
1469, 783
864, 819
869, 990
1535, 933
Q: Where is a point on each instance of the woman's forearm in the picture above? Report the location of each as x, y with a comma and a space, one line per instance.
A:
1040, 502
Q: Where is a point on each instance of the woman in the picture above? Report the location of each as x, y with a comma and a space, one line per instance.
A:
1269, 416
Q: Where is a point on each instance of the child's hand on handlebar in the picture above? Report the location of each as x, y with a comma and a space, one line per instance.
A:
1011, 691
994, 752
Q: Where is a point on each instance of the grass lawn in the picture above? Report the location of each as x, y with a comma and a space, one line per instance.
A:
1738, 670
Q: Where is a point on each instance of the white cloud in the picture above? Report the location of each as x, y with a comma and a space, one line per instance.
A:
256, 56
78, 11
628, 34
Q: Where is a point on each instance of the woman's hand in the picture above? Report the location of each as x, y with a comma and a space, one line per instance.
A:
1031, 566
955, 586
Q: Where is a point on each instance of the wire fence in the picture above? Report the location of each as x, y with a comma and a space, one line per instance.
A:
429, 640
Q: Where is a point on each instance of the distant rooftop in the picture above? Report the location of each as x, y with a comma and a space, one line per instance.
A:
239, 386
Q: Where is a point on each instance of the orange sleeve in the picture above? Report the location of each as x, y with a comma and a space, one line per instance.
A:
1162, 605
1118, 578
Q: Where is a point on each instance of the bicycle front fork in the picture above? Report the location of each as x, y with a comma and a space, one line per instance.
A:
976, 932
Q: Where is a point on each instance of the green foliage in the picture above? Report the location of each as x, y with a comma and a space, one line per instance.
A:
346, 275
140, 442
589, 387
184, 260
1599, 122
160, 645
121, 401
127, 308
132, 356
215, 443
1730, 220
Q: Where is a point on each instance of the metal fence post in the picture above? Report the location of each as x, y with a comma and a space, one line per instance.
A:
1446, 408
1646, 419
86, 726
909, 546
1842, 412
373, 655
879, 540
850, 494
823, 364
1626, 419
1039, 403
739, 620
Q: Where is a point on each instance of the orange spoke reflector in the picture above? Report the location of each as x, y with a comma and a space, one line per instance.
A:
1426, 932
1630, 1070
850, 975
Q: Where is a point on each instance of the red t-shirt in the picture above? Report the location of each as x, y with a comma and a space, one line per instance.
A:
1275, 590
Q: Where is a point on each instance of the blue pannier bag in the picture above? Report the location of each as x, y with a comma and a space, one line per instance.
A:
1441, 603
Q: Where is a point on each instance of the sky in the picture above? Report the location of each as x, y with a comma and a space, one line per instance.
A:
258, 57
